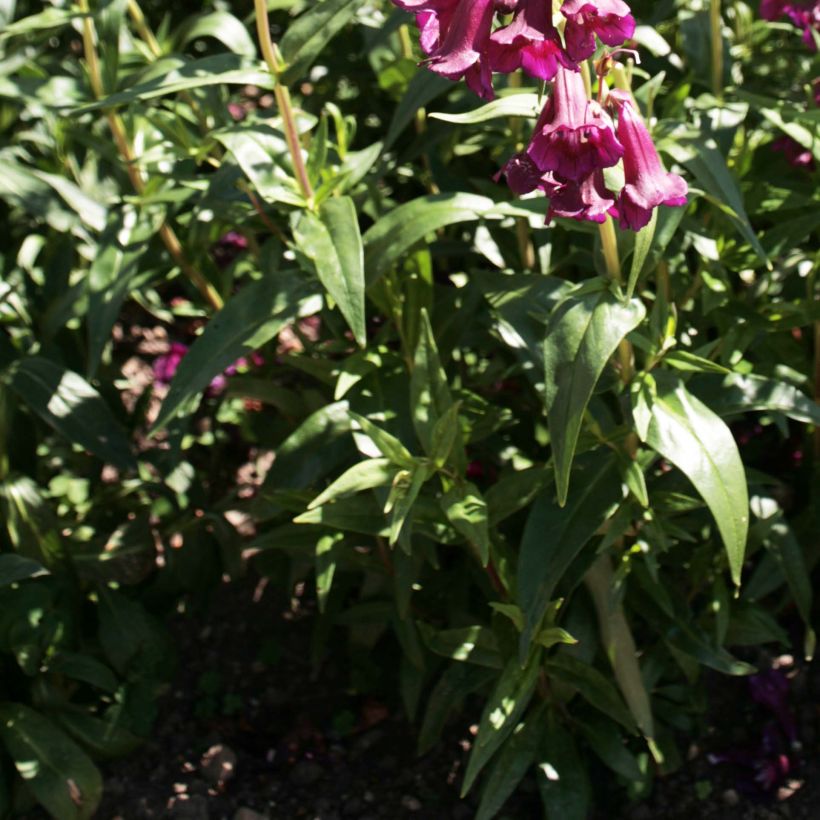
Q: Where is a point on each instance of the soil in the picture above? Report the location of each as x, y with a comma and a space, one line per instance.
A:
247, 732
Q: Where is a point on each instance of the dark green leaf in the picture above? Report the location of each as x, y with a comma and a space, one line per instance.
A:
58, 773
67, 402
581, 337
554, 535
248, 321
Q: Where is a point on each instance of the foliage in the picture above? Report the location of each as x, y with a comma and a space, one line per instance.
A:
559, 467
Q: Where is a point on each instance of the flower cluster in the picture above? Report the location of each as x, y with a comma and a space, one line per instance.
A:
463, 40
575, 138
805, 14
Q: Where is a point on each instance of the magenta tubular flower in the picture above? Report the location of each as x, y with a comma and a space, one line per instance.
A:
455, 35
647, 184
529, 42
611, 20
587, 200
574, 135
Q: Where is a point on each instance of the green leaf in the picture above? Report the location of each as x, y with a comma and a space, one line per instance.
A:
502, 712
430, 397
607, 742
403, 494
375, 472
424, 87
697, 441
735, 394
562, 777
519, 104
262, 154
386, 443
101, 738
581, 337
702, 157
455, 684
316, 448
782, 544
392, 235
110, 278
222, 26
16, 568
305, 39
553, 536
473, 644
325, 567
83, 668
516, 757
67, 402
183, 75
59, 774
249, 320
466, 510
333, 243
643, 245
597, 689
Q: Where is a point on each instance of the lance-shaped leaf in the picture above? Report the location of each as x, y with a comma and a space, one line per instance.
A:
333, 242
248, 321
304, 39
507, 703
581, 337
430, 395
466, 510
57, 771
562, 776
516, 757
698, 442
67, 402
553, 536
375, 472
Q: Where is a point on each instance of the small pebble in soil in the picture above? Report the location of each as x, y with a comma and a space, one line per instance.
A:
731, 797
411, 803
306, 773
192, 808
249, 814
218, 765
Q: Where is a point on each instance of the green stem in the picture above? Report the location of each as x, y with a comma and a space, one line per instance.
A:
118, 131
619, 645
283, 99
716, 25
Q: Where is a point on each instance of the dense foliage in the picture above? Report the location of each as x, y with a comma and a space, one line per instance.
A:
266, 298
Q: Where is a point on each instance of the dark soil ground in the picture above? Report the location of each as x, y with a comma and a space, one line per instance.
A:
247, 733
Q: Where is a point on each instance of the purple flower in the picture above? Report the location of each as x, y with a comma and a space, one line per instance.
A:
609, 19
573, 135
796, 155
771, 689
585, 200
805, 15
455, 34
647, 184
228, 248
165, 366
529, 42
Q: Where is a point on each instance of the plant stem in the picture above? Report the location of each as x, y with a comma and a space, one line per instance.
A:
118, 131
619, 645
143, 29
283, 99
609, 244
716, 26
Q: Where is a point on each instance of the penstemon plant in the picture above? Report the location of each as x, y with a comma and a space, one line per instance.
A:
497, 426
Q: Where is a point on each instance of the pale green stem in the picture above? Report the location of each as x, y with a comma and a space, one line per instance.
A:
716, 26
283, 101
118, 131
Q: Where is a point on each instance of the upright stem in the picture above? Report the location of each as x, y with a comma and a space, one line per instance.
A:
716, 26
283, 100
118, 131
143, 29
